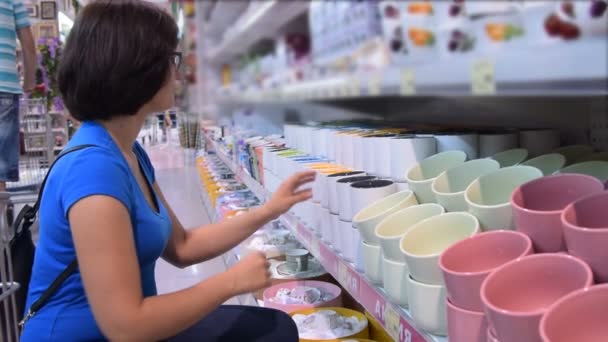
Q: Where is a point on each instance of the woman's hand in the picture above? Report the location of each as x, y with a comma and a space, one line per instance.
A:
288, 194
250, 274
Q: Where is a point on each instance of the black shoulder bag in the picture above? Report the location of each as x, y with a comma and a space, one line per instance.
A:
22, 250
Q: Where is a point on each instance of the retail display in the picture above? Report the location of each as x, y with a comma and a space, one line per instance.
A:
412, 250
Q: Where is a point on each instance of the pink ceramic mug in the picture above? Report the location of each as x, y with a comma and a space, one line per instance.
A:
585, 225
516, 295
538, 205
579, 316
465, 325
467, 263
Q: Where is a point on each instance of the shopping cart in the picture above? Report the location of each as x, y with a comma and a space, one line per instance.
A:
8, 305
38, 145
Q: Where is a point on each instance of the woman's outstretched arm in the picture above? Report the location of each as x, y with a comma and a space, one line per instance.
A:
187, 247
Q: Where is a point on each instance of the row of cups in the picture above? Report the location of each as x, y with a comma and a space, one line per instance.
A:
370, 149
497, 290
416, 268
419, 292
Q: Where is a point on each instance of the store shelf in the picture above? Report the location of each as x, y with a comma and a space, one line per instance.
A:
396, 320
231, 257
579, 69
264, 22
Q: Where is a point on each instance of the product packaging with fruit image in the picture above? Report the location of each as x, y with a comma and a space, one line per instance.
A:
392, 30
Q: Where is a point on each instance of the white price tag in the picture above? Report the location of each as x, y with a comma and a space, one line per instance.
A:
408, 82
392, 322
482, 78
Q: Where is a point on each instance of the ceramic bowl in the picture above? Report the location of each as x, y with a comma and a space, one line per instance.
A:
423, 244
518, 294
579, 316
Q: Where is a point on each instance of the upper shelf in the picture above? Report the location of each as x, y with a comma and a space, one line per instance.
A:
580, 69
255, 25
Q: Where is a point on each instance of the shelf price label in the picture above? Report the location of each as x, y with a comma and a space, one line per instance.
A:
482, 78
408, 82
348, 279
374, 85
392, 323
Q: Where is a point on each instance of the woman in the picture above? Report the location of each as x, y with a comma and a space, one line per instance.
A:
103, 206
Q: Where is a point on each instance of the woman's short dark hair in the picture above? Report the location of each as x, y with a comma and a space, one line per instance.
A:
116, 58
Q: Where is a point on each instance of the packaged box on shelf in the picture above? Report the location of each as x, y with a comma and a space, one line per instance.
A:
552, 22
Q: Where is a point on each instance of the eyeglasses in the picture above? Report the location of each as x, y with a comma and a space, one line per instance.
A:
177, 59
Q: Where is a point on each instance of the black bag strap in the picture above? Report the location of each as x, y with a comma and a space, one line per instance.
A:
29, 214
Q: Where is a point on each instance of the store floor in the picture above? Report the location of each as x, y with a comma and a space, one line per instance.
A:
178, 179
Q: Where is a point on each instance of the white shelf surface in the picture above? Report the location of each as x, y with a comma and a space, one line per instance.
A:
262, 23
395, 319
577, 69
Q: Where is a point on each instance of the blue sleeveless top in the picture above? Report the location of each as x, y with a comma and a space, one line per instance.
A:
99, 170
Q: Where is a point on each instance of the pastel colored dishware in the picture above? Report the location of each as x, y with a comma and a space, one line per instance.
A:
345, 197
420, 177
488, 197
348, 241
538, 205
321, 186
466, 142
368, 218
465, 325
579, 316
548, 164
390, 230
491, 143
372, 262
394, 280
334, 295
423, 243
331, 201
511, 157
573, 152
450, 185
364, 193
585, 225
597, 169
427, 305
467, 263
518, 294
407, 151
335, 232
539, 141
